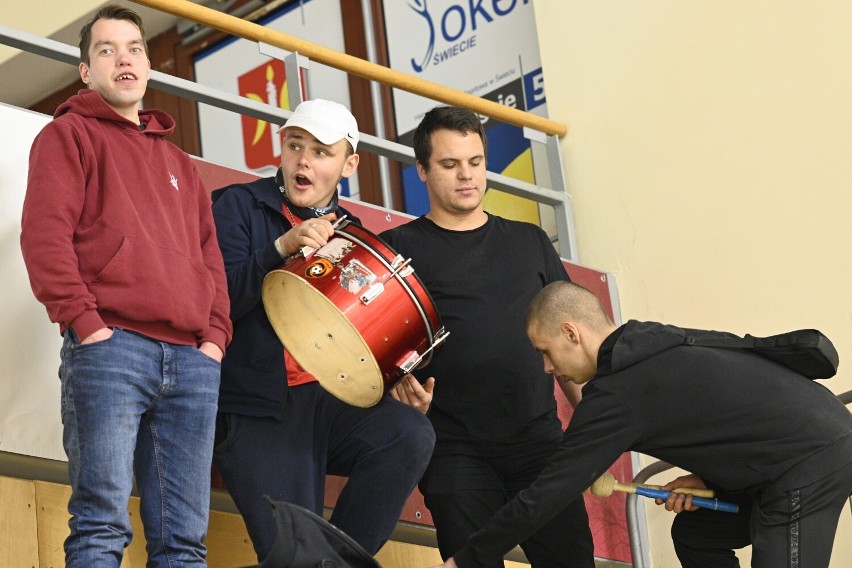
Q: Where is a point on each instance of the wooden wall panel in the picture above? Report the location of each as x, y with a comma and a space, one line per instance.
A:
34, 525
228, 542
18, 528
52, 503
52, 520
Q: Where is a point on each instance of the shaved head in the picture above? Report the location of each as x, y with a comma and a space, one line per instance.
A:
565, 301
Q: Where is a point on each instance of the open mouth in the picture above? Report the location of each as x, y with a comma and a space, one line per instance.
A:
302, 181
126, 77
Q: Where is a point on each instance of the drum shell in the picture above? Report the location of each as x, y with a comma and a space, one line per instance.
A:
324, 309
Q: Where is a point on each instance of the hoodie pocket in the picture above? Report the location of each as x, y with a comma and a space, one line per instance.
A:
146, 282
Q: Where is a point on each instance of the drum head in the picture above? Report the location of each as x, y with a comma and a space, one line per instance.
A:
321, 340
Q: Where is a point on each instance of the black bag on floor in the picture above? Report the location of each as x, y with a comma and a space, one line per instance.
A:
306, 540
806, 351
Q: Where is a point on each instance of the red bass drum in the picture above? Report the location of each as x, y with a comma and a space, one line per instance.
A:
354, 314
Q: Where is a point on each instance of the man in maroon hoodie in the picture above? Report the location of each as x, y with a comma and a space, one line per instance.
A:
120, 246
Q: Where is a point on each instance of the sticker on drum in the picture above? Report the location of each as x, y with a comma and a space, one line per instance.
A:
318, 268
335, 249
354, 276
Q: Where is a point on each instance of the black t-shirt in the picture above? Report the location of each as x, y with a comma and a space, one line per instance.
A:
491, 385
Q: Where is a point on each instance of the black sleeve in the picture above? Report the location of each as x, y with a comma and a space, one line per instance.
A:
554, 267
601, 429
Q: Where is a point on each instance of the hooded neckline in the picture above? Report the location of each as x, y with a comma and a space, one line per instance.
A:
634, 342
89, 103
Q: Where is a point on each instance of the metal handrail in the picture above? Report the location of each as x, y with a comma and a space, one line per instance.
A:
639, 549
559, 200
354, 65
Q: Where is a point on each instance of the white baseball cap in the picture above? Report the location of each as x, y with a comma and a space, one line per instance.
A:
327, 121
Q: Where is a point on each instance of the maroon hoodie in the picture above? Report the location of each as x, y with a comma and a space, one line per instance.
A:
117, 228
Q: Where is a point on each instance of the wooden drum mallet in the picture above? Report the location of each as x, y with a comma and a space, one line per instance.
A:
704, 498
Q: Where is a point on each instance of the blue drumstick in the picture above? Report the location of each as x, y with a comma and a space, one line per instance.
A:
702, 502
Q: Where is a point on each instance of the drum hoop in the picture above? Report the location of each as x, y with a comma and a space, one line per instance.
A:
326, 301
426, 320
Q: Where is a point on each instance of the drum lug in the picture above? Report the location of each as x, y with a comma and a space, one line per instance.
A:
372, 293
401, 267
409, 362
413, 359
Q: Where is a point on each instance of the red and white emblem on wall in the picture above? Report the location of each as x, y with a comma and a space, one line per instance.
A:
266, 84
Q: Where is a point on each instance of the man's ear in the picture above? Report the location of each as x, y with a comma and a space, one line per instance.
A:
350, 165
421, 171
571, 331
84, 73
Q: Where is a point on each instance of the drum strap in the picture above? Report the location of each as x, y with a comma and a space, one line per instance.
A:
292, 218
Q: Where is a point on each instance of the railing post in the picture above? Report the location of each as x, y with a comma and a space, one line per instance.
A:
295, 67
376, 96
552, 175
637, 530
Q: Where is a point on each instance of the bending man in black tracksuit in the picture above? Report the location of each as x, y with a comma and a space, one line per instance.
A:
736, 420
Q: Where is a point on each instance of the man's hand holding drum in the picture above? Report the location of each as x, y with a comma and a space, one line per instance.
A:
409, 391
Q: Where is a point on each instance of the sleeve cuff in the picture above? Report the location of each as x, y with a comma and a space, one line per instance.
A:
217, 336
279, 248
86, 324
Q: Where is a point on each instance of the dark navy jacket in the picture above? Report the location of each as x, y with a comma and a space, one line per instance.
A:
248, 220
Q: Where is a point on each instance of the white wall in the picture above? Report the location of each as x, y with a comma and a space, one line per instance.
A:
29, 350
709, 156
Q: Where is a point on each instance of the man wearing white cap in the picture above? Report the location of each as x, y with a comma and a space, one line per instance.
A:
278, 432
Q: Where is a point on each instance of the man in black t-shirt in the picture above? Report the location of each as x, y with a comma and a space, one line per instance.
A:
493, 410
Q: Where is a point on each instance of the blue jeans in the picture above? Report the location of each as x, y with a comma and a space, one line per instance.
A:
134, 405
